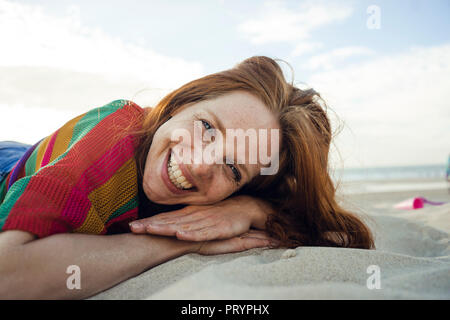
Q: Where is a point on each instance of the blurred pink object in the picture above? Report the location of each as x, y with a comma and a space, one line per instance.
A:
415, 203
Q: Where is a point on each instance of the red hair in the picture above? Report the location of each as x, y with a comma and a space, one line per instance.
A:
302, 191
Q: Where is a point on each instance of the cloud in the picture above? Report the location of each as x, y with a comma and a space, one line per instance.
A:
53, 68
395, 107
277, 23
305, 47
329, 59
33, 38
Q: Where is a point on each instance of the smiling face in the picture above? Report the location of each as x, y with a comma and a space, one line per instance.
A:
168, 179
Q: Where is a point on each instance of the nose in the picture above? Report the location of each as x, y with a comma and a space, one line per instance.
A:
202, 165
205, 161
202, 171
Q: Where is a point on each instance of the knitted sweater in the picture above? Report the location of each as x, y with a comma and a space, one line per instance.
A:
82, 178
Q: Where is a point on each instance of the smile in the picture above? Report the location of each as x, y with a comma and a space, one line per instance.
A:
176, 175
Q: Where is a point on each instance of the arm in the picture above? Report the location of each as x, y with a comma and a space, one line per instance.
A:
37, 268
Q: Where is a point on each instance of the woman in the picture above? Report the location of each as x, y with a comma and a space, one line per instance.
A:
120, 167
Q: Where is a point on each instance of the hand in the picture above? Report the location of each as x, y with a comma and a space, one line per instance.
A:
223, 220
251, 239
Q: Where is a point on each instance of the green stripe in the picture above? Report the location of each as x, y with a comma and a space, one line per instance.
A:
3, 188
133, 203
86, 123
11, 198
30, 165
92, 118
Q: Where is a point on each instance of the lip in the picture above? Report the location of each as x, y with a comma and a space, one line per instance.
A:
184, 170
165, 176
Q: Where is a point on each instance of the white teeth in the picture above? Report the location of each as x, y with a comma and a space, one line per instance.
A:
177, 173
176, 176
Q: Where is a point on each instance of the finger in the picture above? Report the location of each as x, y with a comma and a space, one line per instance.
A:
258, 234
255, 233
213, 231
210, 232
179, 228
242, 244
181, 218
251, 243
236, 244
139, 226
192, 215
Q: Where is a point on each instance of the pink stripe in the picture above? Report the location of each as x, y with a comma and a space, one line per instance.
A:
93, 177
49, 150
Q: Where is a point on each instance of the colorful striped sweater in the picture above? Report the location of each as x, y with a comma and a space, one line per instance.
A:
82, 178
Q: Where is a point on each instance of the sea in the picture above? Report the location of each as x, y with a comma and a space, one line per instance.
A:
437, 171
392, 179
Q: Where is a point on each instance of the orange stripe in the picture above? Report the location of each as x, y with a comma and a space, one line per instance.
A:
63, 138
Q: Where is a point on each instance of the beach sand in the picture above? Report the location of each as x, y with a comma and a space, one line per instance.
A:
411, 260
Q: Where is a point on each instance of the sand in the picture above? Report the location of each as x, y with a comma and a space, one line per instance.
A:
411, 261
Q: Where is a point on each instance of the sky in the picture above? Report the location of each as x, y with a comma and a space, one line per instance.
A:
383, 67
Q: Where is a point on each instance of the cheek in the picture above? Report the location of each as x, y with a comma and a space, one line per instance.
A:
219, 189
159, 139
151, 160
149, 171
174, 133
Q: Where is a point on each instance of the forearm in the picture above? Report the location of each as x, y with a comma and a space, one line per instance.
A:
38, 269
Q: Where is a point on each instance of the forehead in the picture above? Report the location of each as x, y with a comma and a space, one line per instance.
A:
240, 110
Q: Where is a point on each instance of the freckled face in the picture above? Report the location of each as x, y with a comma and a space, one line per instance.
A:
170, 180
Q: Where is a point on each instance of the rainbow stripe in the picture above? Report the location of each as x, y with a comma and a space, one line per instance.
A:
82, 178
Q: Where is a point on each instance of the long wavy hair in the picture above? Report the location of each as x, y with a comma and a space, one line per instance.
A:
302, 191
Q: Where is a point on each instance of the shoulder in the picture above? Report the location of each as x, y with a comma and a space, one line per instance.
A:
118, 115
121, 106
127, 104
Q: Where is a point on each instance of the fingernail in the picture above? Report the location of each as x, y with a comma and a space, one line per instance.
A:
135, 225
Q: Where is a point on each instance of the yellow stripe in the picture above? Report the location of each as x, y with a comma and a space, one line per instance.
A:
92, 224
63, 138
119, 189
41, 152
109, 197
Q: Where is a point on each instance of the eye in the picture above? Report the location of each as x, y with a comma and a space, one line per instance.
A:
206, 125
236, 173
